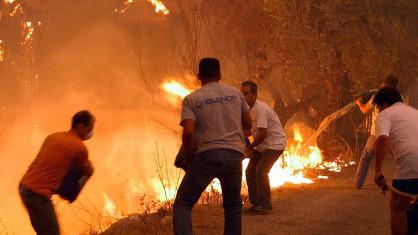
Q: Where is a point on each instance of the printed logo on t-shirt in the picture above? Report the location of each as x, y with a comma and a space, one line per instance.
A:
217, 100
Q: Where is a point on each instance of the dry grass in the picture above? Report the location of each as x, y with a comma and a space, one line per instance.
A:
326, 207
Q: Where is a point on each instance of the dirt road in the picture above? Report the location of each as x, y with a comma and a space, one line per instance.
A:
327, 207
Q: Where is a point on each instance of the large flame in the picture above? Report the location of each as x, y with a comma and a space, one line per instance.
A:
176, 88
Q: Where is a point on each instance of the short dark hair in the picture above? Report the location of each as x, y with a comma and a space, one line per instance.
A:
391, 81
387, 95
209, 68
83, 117
251, 84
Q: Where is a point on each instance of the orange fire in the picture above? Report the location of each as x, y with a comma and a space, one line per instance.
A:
110, 208
159, 7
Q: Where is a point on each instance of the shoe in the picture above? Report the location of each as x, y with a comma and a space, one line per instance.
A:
250, 209
261, 210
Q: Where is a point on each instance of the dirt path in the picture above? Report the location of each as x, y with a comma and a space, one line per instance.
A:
327, 207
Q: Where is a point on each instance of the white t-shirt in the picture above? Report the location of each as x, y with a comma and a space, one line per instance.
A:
400, 123
264, 117
217, 110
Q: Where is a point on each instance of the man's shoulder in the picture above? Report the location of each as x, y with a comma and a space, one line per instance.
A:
261, 105
68, 138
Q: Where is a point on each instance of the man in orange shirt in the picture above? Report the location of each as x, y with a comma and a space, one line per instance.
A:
60, 152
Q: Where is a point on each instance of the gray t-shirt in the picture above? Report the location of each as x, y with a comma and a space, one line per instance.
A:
217, 110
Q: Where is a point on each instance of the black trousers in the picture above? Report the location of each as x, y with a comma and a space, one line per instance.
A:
257, 177
41, 212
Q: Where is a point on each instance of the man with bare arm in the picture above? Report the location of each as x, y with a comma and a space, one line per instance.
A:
365, 104
269, 142
213, 120
397, 126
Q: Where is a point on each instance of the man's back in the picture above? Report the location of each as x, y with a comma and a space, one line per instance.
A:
217, 110
400, 123
59, 152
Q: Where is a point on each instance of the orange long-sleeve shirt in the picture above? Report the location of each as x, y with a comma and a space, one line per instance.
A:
59, 153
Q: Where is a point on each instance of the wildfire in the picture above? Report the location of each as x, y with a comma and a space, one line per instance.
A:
175, 90
110, 208
29, 31
159, 6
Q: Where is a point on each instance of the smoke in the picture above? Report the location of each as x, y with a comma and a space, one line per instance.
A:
96, 69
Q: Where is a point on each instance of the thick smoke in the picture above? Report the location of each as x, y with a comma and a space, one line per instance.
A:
96, 69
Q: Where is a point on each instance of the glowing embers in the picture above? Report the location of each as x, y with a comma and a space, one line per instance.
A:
29, 29
158, 5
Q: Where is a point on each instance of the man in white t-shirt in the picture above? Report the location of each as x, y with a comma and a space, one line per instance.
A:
268, 144
397, 126
213, 118
365, 104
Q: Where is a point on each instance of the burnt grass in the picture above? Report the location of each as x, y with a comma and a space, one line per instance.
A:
330, 206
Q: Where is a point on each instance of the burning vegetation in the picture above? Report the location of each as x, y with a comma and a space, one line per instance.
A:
131, 62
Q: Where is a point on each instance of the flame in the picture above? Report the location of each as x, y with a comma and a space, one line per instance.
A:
164, 192
110, 208
175, 91
159, 7
9, 1
297, 135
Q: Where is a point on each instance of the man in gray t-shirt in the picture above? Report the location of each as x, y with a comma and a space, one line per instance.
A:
213, 118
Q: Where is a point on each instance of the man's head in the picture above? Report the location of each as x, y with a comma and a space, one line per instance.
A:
82, 124
249, 90
390, 81
209, 70
386, 97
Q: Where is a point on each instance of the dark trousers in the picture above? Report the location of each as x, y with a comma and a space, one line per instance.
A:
41, 212
224, 164
257, 177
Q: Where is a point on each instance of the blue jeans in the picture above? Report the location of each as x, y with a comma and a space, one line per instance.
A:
366, 158
224, 164
41, 212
